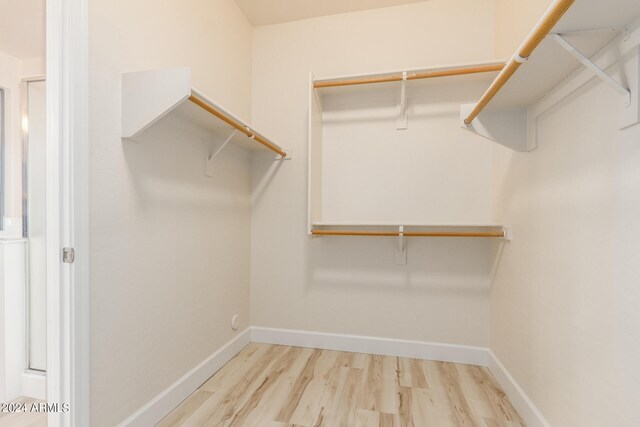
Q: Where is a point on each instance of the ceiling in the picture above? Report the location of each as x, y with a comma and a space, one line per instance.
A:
265, 12
22, 28
22, 22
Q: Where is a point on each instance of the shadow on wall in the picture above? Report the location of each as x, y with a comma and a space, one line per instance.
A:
265, 169
166, 170
425, 100
434, 265
522, 207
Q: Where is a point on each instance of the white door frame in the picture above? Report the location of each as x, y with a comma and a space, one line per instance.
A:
67, 211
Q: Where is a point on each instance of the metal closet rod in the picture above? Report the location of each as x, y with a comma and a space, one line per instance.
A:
234, 123
413, 76
540, 31
500, 233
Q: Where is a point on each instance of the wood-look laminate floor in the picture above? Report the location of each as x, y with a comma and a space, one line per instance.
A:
23, 419
280, 386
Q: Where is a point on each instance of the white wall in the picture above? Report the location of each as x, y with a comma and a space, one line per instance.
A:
376, 173
169, 247
352, 285
565, 297
514, 21
33, 67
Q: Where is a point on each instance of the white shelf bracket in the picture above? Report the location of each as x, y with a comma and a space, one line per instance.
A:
507, 233
401, 254
593, 67
509, 127
402, 122
289, 155
210, 158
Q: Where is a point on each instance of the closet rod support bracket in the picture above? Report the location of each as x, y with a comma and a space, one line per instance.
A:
289, 153
401, 253
507, 233
402, 122
593, 67
209, 159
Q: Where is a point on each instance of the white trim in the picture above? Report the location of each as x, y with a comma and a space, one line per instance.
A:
13, 283
373, 345
12, 228
34, 385
154, 411
519, 399
67, 205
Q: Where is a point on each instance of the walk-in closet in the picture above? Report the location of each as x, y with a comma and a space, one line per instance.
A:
339, 213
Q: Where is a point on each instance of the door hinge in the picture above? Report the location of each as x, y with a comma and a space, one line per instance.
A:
68, 255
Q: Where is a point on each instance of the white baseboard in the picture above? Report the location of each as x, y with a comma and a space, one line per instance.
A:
34, 385
519, 399
154, 411
372, 345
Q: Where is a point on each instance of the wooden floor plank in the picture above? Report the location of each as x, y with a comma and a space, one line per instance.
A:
180, 415
267, 401
389, 420
493, 394
457, 399
234, 371
24, 419
317, 394
366, 418
424, 411
279, 386
411, 373
342, 409
299, 388
221, 406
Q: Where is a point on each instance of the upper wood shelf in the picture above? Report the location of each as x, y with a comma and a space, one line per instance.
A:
415, 79
409, 75
572, 33
347, 110
588, 25
406, 224
388, 229
149, 96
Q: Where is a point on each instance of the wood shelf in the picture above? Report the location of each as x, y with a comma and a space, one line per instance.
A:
346, 107
409, 75
411, 230
589, 26
329, 224
150, 96
389, 82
